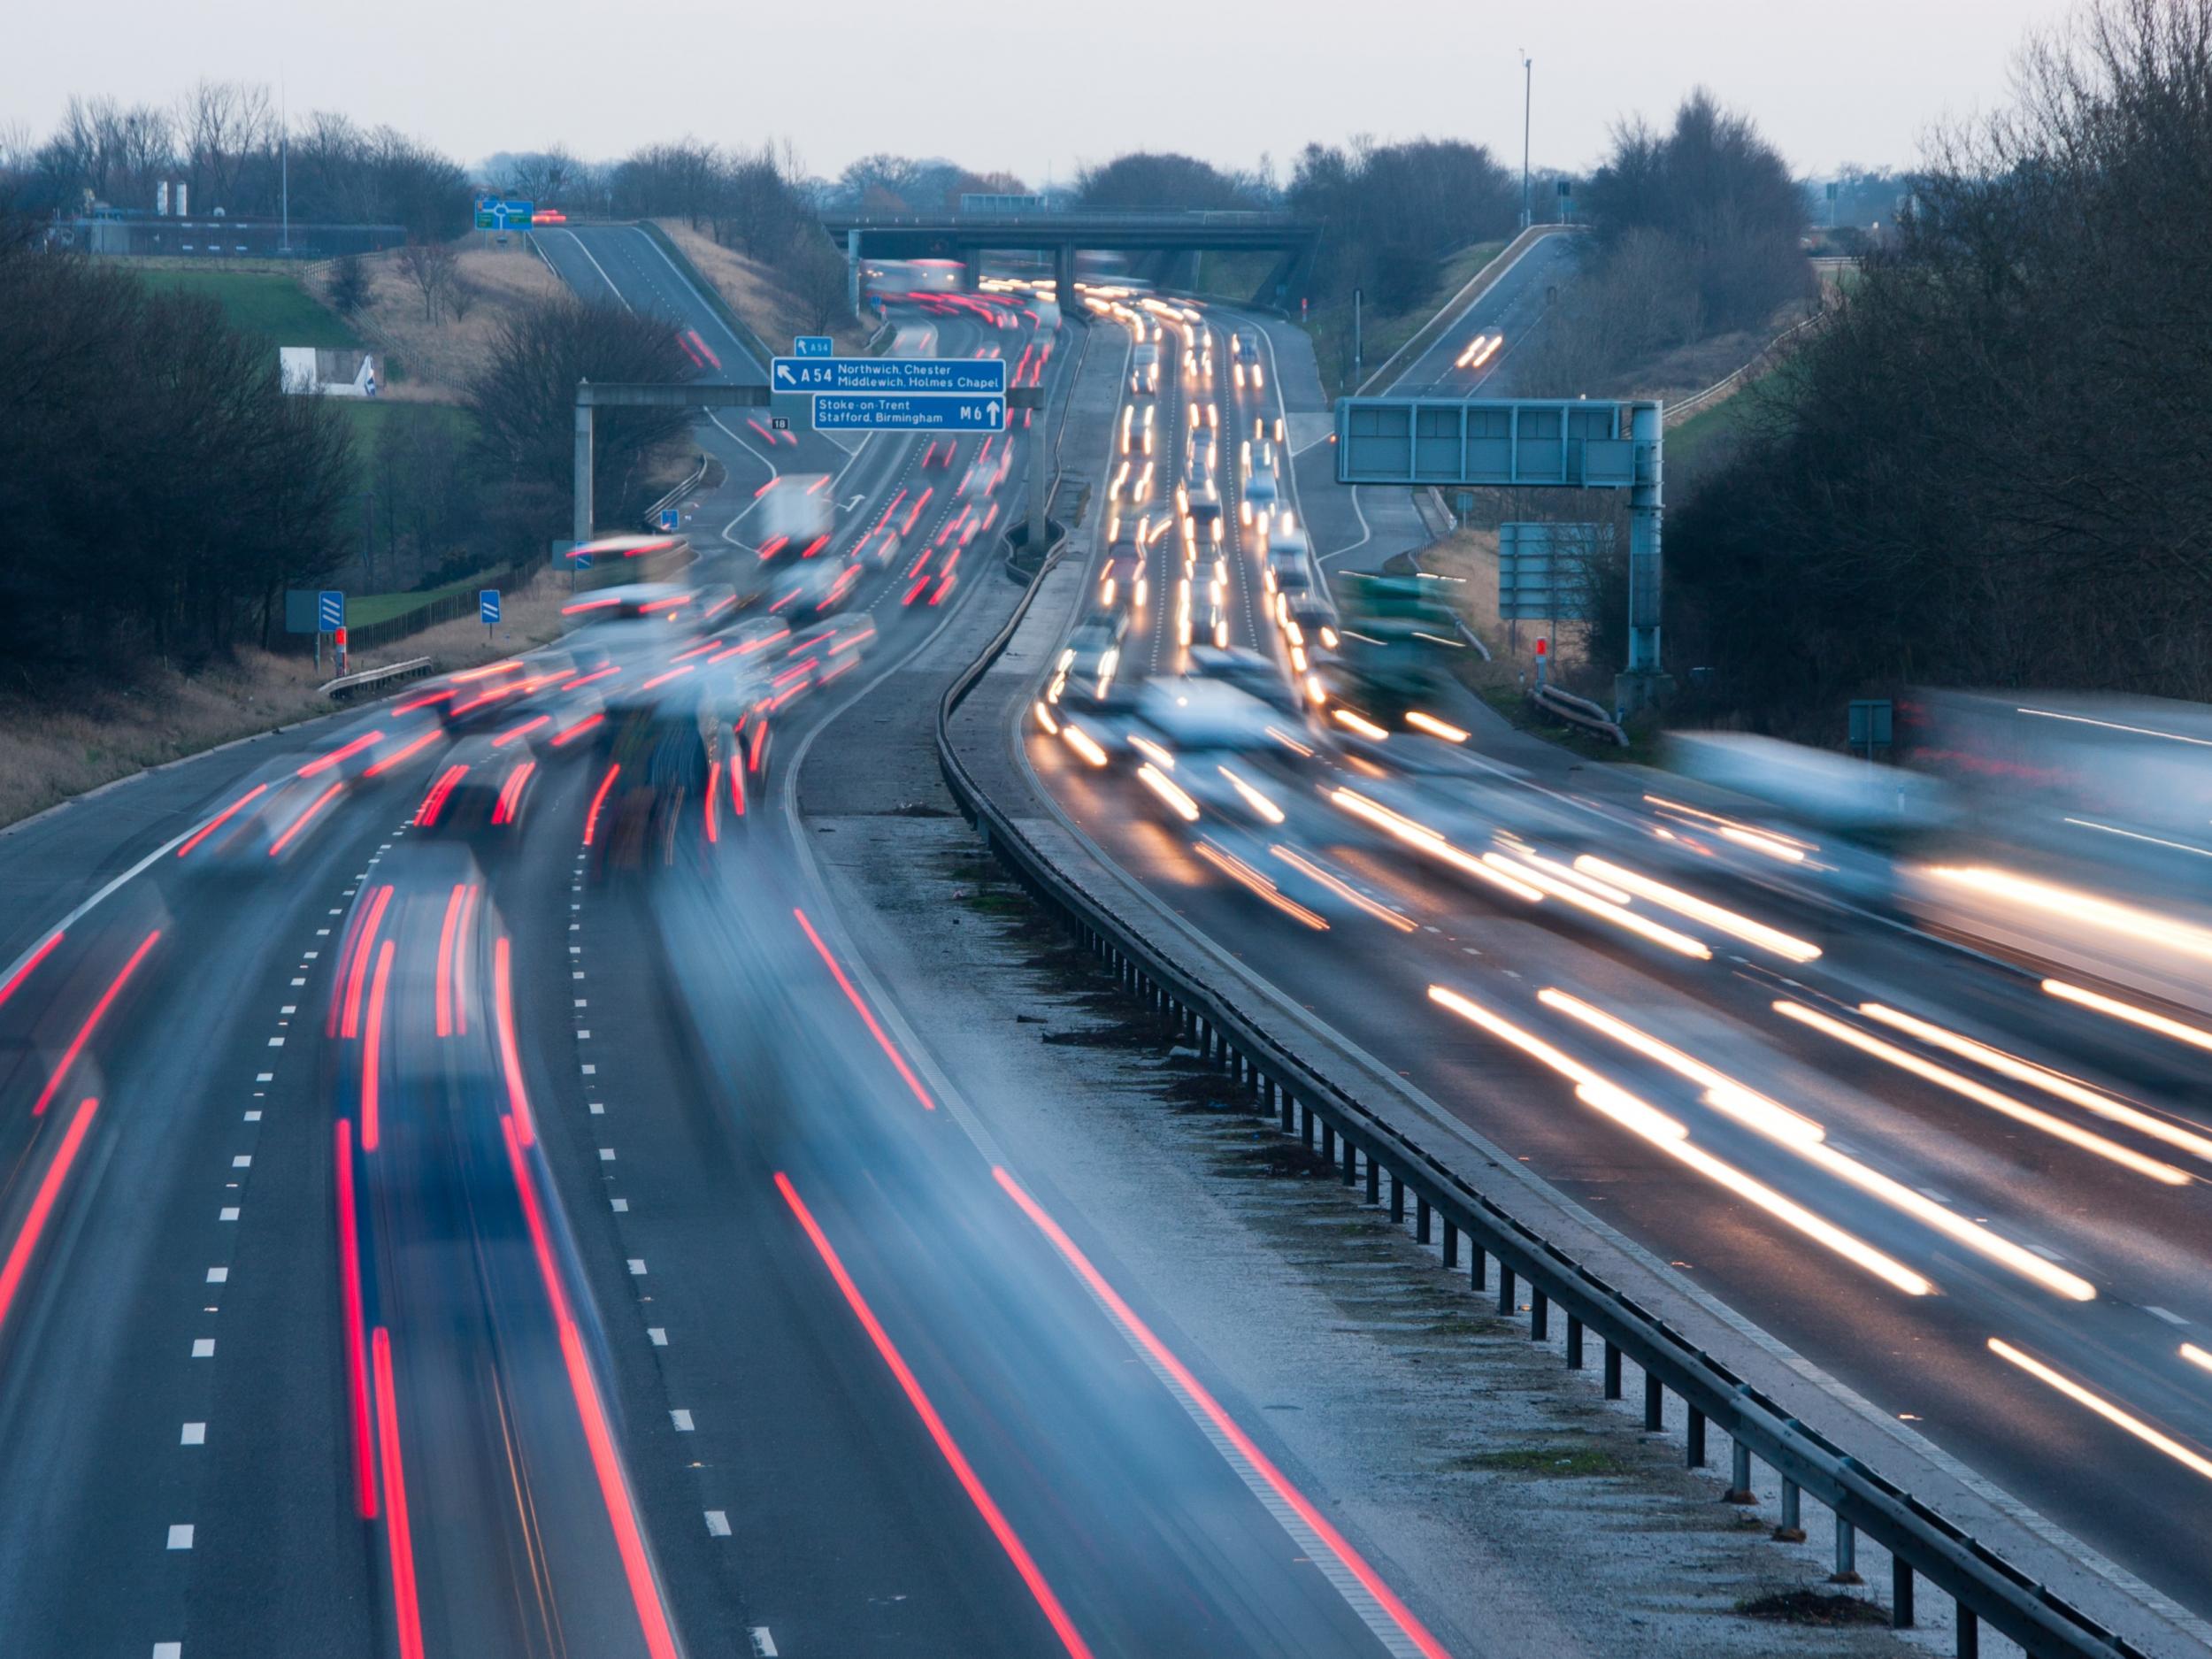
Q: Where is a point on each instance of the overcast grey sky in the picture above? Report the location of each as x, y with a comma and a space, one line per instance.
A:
1038, 88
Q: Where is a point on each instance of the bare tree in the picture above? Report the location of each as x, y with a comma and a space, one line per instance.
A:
432, 267
221, 124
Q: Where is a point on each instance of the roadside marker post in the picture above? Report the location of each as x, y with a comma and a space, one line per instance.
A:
488, 607
330, 618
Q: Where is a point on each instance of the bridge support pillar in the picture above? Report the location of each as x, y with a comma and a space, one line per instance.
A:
1063, 279
852, 270
970, 268
579, 524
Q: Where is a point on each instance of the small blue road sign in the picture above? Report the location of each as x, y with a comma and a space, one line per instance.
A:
812, 346
487, 604
972, 377
850, 412
330, 610
671, 519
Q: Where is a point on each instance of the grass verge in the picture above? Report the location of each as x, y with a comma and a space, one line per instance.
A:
77, 738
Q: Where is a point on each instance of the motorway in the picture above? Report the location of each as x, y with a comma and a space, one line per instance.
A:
464, 1194
1978, 1206
1476, 357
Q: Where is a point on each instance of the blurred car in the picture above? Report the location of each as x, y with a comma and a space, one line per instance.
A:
938, 456
1092, 656
1200, 746
1260, 498
481, 786
813, 589
1248, 670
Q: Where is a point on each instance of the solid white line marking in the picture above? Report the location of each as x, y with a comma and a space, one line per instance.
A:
194, 1435
203, 1347
717, 1523
229, 1213
657, 1335
181, 1537
682, 1420
2161, 1313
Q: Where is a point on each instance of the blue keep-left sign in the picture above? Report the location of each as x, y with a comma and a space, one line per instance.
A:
813, 346
330, 610
487, 604
871, 411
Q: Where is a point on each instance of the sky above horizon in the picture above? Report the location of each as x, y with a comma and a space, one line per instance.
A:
1042, 90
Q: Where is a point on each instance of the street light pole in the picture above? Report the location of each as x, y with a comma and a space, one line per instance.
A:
1528, 91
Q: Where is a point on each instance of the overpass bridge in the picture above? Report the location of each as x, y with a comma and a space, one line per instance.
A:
1061, 235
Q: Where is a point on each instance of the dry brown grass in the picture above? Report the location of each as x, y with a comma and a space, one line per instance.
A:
1470, 558
752, 291
439, 358
56, 747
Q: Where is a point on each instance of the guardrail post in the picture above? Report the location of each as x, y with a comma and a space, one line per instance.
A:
1740, 1476
1374, 1180
1655, 1405
1970, 1632
1612, 1370
1307, 1121
1397, 1201
1451, 1245
1846, 1554
1328, 1142
1899, 1592
1351, 1163
1791, 1530
1574, 1343
1420, 1219
1477, 1262
1695, 1457
1290, 1112
1505, 1289
1539, 1314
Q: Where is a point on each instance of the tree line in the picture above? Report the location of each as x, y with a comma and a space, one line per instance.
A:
1696, 231
1988, 467
160, 490
226, 142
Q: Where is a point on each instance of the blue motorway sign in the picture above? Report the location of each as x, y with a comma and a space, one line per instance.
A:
878, 412
487, 604
971, 377
671, 520
330, 610
495, 212
813, 346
